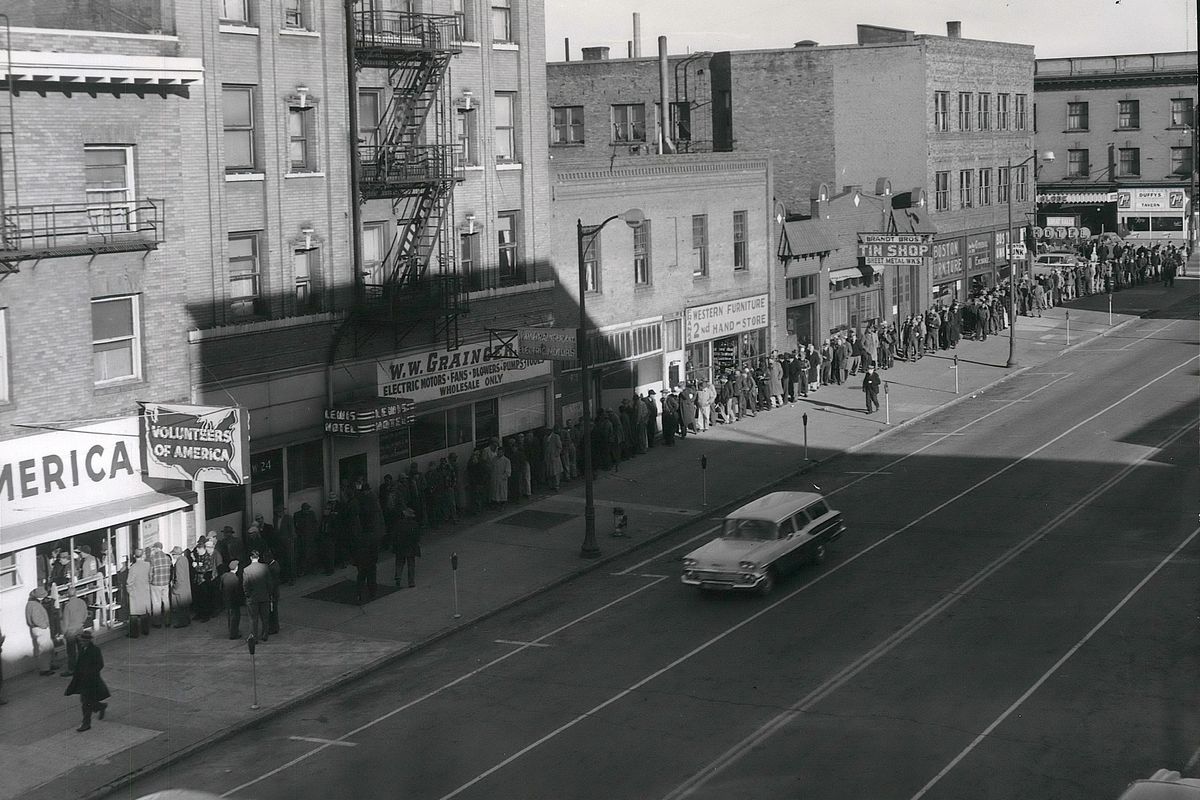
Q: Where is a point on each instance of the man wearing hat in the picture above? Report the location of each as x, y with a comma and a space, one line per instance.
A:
233, 597
38, 621
870, 387
230, 546
74, 615
87, 682
651, 418
181, 589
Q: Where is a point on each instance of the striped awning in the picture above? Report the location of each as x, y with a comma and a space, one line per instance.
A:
1077, 197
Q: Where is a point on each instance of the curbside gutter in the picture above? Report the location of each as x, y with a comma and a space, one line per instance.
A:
414, 647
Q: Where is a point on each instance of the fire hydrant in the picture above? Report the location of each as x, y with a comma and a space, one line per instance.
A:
620, 523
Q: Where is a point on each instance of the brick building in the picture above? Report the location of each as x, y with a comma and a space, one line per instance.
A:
1123, 130
95, 241
941, 114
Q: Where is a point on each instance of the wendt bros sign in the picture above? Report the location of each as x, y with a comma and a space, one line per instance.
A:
196, 443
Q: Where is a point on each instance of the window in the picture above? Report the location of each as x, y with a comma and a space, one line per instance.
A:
1129, 161
941, 193
1182, 112
4, 396
965, 189
1002, 180
802, 287
1002, 112
964, 111
1077, 116
237, 105
236, 11
374, 249
741, 253
306, 265
501, 20
1019, 112
108, 173
293, 14
305, 466
1022, 180
985, 186
641, 254
302, 151
511, 272
629, 122
243, 274
591, 264
1129, 114
467, 132
116, 350
506, 139
468, 262
985, 112
9, 576
1077, 163
567, 125
1181, 165
681, 122
462, 31
700, 245
368, 122
941, 111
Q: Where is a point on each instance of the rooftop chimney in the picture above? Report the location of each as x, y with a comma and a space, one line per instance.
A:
954, 29
637, 35
594, 53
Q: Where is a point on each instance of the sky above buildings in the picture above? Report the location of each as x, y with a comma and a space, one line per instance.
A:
1054, 27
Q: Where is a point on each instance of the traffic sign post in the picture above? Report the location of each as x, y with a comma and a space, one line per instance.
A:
1068, 328
454, 575
251, 642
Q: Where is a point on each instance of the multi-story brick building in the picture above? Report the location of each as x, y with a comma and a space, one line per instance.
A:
941, 114
96, 238
1123, 130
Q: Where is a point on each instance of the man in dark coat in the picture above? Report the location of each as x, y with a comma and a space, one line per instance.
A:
307, 525
670, 416
408, 546
687, 411
233, 597
870, 387
87, 682
953, 325
256, 583
651, 418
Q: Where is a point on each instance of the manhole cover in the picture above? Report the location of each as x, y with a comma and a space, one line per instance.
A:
347, 592
538, 520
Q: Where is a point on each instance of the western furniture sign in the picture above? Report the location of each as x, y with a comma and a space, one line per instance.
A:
894, 249
360, 419
725, 319
196, 443
948, 259
434, 374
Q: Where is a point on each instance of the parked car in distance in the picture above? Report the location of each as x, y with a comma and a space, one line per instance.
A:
1163, 785
1048, 262
763, 541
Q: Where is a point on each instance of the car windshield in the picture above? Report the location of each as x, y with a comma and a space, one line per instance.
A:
754, 529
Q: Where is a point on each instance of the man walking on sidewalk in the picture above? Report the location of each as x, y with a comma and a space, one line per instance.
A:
870, 387
87, 682
74, 618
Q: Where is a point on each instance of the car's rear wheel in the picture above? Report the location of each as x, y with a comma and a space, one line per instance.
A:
768, 583
818, 554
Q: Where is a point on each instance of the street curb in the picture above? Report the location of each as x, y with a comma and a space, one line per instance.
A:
417, 646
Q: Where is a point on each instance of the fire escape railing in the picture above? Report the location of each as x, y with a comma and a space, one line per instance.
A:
29, 232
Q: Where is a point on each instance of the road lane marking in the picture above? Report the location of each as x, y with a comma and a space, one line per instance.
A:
521, 644
847, 673
315, 740
680, 546
1147, 336
1057, 665
434, 692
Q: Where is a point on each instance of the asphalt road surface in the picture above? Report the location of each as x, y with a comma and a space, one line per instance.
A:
1013, 613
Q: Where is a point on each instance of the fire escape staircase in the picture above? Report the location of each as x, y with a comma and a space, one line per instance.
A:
410, 162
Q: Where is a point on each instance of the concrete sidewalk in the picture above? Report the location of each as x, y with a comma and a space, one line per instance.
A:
178, 690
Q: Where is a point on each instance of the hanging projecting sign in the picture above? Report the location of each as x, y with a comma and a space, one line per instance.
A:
372, 416
196, 443
725, 319
433, 374
894, 249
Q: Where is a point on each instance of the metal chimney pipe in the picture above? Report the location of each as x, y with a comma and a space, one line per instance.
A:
566, 49
637, 35
629, 48
664, 113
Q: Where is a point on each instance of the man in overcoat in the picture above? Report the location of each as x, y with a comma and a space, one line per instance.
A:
87, 682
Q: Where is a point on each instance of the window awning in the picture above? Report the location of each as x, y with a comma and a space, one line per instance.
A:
86, 69
844, 274
104, 515
805, 237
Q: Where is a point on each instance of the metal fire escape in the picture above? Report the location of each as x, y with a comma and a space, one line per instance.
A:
410, 161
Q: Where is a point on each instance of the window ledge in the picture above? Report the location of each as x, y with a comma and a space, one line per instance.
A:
503, 291
473, 168
508, 165
1169, 127
566, 144
505, 46
304, 175
1077, 130
1126, 130
468, 43
244, 30
115, 386
237, 177
630, 143
299, 32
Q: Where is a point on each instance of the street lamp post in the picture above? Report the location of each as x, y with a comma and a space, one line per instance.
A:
583, 236
1012, 261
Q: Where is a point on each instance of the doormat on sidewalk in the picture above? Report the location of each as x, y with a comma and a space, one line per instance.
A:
347, 592
538, 520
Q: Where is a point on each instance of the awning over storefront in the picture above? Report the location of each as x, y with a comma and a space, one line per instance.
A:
1077, 197
805, 238
836, 275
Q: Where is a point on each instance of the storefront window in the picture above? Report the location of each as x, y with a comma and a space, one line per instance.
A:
9, 576
523, 411
394, 446
221, 499
487, 420
305, 466
459, 426
698, 363
429, 433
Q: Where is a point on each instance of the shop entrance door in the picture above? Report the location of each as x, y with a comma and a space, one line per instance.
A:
351, 467
800, 322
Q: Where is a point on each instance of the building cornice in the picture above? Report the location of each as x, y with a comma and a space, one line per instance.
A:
666, 166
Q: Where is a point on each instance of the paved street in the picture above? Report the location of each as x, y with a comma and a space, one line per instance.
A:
1012, 614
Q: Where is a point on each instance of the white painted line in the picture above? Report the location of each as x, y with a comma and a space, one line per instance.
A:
315, 740
866, 473
864, 661
938, 433
1141, 339
434, 692
1057, 665
520, 644
703, 534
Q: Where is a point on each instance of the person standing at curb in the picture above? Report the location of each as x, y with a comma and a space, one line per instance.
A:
256, 583
232, 595
87, 682
871, 389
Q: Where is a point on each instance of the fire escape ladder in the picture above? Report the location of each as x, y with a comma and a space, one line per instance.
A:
9, 187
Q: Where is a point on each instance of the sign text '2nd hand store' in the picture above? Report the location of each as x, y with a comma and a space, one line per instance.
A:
725, 319
434, 374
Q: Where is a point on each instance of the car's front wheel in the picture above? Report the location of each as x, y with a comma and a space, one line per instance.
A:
768, 582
